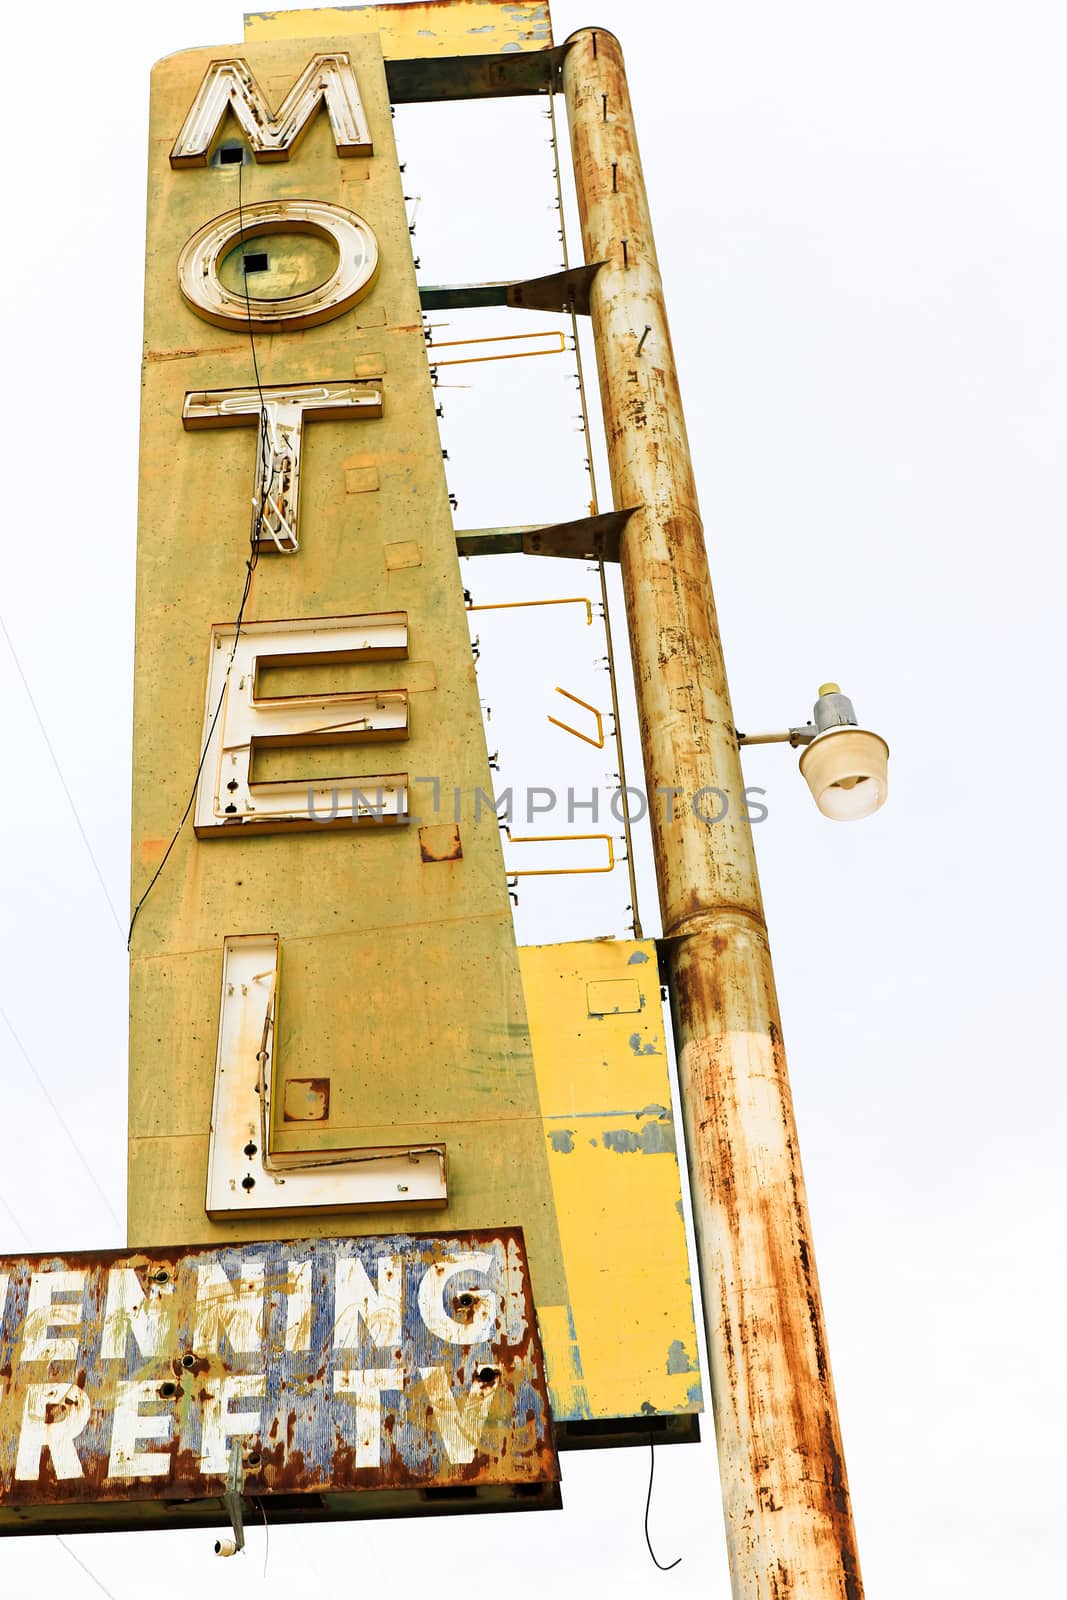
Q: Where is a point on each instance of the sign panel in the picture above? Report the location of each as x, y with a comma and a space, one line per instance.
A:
326, 1377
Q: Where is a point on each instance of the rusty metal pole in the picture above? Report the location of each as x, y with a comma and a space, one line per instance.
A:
785, 1493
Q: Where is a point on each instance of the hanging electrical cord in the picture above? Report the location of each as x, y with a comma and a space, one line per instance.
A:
266, 1536
267, 480
594, 506
89, 1573
667, 1566
15, 1223
60, 1117
59, 773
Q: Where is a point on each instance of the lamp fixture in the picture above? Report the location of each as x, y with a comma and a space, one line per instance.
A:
845, 766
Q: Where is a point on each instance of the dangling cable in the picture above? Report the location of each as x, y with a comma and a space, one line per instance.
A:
670, 1565
266, 1536
250, 567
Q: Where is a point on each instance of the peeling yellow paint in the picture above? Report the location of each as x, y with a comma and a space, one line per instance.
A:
606, 1099
461, 28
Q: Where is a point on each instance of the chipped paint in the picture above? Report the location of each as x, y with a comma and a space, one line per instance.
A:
654, 1139
601, 1100
678, 1358
642, 1047
638, 956
422, 29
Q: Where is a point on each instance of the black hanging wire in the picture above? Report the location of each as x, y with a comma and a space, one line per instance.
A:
663, 1566
267, 480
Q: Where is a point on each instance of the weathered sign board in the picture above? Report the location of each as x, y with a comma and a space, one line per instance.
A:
337, 1377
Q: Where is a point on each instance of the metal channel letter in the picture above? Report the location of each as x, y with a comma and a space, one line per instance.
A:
280, 411
229, 796
246, 1177
230, 86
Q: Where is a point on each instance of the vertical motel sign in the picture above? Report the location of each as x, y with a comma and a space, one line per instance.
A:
372, 1265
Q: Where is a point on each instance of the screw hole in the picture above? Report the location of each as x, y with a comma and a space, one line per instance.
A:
250, 1148
188, 1360
248, 1183
168, 1390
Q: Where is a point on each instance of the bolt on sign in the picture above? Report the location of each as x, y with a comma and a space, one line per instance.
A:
331, 1028
324, 1377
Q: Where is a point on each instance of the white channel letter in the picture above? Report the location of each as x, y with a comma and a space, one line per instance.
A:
44, 1312
460, 1423
229, 85
483, 1302
364, 1389
230, 794
130, 1313
231, 1308
279, 412
353, 277
356, 1300
130, 1429
221, 1424
56, 1436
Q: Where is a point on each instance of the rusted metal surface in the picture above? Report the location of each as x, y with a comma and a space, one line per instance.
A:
785, 1493
586, 539
440, 841
342, 1367
556, 291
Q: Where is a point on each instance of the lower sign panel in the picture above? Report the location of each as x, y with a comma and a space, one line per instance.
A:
319, 1378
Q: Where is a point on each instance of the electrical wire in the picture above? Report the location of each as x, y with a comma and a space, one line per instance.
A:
15, 1222
266, 1534
59, 1117
663, 1566
87, 1570
267, 481
59, 773
250, 568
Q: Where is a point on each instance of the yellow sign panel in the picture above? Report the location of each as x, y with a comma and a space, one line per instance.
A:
596, 1020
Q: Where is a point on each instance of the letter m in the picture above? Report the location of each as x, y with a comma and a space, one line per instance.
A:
229, 85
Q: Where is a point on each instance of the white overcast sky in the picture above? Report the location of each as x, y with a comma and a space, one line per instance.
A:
859, 209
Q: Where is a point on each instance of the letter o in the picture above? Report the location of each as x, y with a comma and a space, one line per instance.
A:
354, 276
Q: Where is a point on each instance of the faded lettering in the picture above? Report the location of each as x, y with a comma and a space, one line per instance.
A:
130, 1428
131, 1314
44, 1312
221, 1424
230, 1309
476, 1308
364, 1390
380, 1310
44, 1429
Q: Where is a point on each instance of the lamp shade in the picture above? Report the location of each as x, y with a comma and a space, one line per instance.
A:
846, 770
